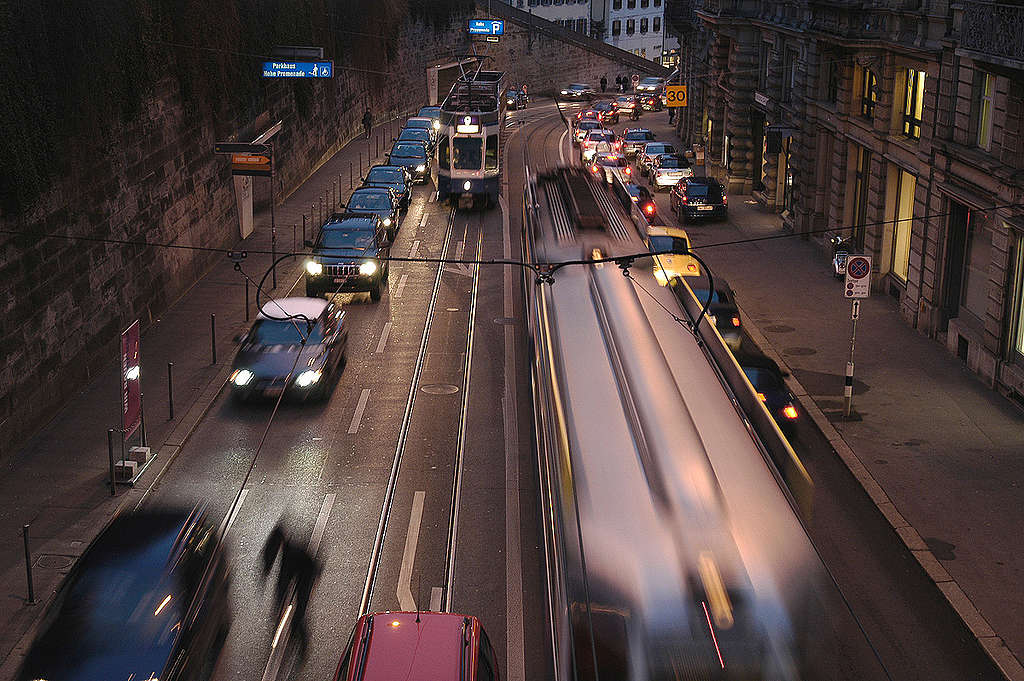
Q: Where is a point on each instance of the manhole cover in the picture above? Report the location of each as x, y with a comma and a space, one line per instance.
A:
799, 351
505, 320
440, 389
49, 561
779, 328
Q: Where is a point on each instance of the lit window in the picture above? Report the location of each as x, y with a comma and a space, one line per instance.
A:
903, 220
913, 104
1018, 305
616, 27
868, 93
985, 91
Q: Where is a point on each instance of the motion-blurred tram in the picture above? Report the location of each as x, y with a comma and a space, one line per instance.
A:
468, 157
672, 551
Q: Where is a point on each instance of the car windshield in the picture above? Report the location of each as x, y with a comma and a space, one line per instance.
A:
423, 125
702, 191
611, 161
389, 175
651, 81
430, 112
589, 125
369, 201
669, 243
655, 148
347, 240
467, 153
601, 137
702, 295
407, 149
636, 191
602, 106
284, 332
638, 136
418, 134
672, 162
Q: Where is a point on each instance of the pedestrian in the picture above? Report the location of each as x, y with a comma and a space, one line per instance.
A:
298, 569
623, 86
671, 114
367, 122
604, 83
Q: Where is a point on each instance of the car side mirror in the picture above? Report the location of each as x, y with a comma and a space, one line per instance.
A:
308, 243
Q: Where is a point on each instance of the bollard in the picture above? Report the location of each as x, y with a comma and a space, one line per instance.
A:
294, 232
303, 234
110, 451
273, 258
350, 174
170, 365
213, 336
28, 567
247, 299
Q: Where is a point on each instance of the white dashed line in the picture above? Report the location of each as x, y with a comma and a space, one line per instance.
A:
414, 251
401, 286
435, 598
405, 599
383, 338
360, 408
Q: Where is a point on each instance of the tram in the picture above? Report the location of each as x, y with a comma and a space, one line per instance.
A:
468, 153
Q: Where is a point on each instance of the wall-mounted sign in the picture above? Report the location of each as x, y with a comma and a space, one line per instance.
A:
675, 95
761, 99
298, 69
486, 27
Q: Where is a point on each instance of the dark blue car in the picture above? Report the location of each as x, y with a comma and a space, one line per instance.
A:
380, 201
392, 177
413, 157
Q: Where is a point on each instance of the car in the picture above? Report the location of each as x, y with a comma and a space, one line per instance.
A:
678, 264
418, 645
395, 178
425, 123
649, 151
651, 103
417, 135
699, 197
150, 592
609, 166
667, 170
607, 112
635, 139
598, 141
651, 84
413, 157
641, 197
515, 99
296, 347
581, 128
576, 92
381, 201
627, 104
723, 311
768, 381
433, 113
349, 255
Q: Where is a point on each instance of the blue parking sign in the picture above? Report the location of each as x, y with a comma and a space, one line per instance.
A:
486, 27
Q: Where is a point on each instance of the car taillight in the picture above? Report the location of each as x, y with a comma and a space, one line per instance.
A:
691, 267
761, 397
593, 168
649, 208
725, 200
789, 411
629, 171
736, 321
684, 199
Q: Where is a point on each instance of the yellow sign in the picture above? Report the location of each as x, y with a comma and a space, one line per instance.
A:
675, 95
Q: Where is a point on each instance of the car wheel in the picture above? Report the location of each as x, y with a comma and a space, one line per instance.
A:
377, 291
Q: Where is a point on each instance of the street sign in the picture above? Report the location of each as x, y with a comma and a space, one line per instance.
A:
635, 79
131, 390
675, 95
250, 164
241, 148
858, 276
298, 69
855, 312
491, 38
486, 27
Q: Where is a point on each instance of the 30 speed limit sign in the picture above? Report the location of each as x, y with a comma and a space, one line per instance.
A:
675, 95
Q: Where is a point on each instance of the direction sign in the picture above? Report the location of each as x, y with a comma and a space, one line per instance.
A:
241, 148
675, 95
858, 276
250, 164
298, 69
486, 27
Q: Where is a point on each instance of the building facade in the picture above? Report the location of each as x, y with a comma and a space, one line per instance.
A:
897, 122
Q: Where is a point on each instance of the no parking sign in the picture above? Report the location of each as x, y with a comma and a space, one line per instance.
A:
858, 276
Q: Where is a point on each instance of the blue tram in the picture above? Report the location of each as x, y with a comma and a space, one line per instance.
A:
468, 152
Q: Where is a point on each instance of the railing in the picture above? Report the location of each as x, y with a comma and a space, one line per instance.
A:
991, 28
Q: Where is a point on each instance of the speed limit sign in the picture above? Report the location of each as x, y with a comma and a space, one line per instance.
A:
675, 95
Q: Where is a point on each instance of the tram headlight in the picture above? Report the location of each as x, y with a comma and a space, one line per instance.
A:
420, 168
368, 268
466, 185
437, 125
314, 268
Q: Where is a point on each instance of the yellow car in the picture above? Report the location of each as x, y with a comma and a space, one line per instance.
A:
662, 238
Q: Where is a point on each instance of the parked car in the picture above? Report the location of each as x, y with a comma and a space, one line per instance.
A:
699, 197
667, 170
678, 264
769, 383
635, 139
380, 201
724, 313
650, 150
598, 141
417, 135
515, 99
350, 255
577, 92
413, 157
303, 337
395, 178
607, 111
425, 123
433, 113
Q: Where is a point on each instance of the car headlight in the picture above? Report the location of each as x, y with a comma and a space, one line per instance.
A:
241, 377
387, 222
565, 92
314, 268
420, 168
437, 125
368, 268
466, 185
307, 378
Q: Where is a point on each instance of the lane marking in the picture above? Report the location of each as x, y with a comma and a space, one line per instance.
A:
435, 598
234, 513
360, 408
515, 664
415, 248
561, 140
321, 523
412, 537
459, 248
423, 219
401, 286
383, 338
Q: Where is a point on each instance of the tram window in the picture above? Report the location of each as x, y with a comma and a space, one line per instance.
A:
492, 153
442, 152
466, 153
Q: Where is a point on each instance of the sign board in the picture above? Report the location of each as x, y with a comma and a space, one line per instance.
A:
250, 164
858, 276
469, 125
855, 312
635, 79
298, 69
675, 95
131, 390
241, 148
491, 38
761, 99
486, 27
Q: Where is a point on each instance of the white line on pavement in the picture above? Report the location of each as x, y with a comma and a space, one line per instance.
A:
321, 524
415, 248
238, 506
459, 248
405, 599
435, 598
383, 338
561, 156
401, 286
423, 220
360, 408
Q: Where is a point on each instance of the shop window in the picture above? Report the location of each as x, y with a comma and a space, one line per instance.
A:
630, 26
913, 104
657, 24
868, 93
903, 220
616, 27
643, 25
1017, 318
985, 88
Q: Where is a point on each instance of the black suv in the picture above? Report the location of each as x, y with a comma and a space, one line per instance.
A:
381, 201
393, 177
412, 156
699, 197
149, 597
350, 254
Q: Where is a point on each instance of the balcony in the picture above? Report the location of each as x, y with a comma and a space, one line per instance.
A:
990, 31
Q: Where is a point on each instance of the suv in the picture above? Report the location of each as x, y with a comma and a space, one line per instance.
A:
635, 139
381, 201
392, 177
647, 154
349, 255
150, 593
699, 197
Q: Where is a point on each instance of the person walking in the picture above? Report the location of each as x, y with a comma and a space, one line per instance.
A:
367, 122
671, 114
604, 83
298, 569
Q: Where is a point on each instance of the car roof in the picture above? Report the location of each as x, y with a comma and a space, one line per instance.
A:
287, 307
421, 119
702, 180
578, 85
664, 230
424, 646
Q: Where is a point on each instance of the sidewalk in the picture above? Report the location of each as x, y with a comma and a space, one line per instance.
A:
57, 482
937, 451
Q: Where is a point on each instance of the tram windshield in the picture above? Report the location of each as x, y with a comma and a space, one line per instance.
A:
467, 153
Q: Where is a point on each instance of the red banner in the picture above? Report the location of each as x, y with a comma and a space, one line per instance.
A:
131, 390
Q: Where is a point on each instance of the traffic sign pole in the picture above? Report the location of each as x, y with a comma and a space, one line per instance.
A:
848, 386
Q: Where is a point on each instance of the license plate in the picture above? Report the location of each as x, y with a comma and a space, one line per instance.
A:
273, 392
340, 280
705, 207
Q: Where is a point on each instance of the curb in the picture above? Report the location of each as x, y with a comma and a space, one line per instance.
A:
993, 645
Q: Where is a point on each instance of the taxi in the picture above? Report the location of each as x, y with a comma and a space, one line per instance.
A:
663, 238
